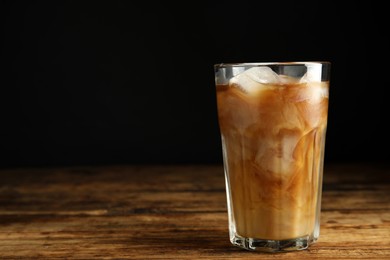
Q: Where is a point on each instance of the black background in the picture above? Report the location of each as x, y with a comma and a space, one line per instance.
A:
117, 82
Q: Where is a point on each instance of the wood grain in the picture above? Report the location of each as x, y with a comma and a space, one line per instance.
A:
173, 212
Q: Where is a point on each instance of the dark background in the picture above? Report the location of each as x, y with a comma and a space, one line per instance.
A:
117, 82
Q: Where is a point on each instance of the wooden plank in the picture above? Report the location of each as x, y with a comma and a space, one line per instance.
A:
173, 212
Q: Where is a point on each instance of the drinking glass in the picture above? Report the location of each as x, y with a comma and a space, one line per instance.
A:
273, 119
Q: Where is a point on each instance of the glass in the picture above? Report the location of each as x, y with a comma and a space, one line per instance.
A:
273, 119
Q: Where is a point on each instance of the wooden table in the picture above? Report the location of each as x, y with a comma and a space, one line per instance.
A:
173, 212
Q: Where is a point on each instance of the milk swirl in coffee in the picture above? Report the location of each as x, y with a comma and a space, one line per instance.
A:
273, 132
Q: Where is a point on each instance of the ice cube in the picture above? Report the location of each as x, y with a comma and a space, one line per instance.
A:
313, 92
252, 80
276, 153
238, 70
313, 73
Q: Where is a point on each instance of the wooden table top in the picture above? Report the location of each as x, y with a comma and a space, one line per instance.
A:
173, 212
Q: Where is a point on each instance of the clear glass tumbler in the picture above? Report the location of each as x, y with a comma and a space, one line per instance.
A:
273, 119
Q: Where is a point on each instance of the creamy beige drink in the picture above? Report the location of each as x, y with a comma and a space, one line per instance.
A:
273, 131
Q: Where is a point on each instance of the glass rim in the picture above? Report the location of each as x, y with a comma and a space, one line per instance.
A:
271, 63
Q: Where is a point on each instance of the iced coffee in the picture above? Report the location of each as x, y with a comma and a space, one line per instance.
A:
273, 120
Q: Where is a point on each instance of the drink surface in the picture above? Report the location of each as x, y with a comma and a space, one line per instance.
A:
273, 138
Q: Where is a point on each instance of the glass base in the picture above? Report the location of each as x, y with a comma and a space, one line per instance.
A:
272, 246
